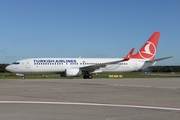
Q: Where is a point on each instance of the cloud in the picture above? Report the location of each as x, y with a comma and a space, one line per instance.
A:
10, 56
2, 51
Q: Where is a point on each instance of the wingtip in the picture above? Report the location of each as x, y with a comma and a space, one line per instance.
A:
131, 52
129, 55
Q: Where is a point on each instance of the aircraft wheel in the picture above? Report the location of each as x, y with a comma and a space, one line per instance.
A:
90, 76
85, 76
23, 78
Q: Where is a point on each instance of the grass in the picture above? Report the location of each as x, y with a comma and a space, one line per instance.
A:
57, 76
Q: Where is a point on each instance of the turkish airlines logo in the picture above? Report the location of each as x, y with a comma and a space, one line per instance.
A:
149, 51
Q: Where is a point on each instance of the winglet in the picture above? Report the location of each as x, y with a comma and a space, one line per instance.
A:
129, 55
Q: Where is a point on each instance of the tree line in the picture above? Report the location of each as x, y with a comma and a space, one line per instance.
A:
2, 68
164, 69
150, 69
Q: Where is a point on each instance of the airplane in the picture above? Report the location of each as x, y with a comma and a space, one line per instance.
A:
87, 66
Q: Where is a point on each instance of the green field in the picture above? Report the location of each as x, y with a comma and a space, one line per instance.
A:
116, 76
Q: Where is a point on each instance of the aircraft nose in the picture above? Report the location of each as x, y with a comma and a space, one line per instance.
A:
8, 68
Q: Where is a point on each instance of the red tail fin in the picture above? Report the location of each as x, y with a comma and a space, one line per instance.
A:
148, 50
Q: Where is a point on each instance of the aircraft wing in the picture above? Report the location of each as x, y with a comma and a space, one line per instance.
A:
92, 68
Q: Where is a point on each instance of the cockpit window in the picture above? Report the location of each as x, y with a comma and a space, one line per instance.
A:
16, 63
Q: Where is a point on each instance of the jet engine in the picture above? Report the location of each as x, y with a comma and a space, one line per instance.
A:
71, 72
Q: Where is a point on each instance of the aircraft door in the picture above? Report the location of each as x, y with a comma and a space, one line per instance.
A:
28, 64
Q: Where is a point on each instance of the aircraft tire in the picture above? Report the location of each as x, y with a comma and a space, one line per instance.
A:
85, 76
90, 76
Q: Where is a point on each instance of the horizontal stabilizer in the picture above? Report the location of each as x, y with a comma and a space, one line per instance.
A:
159, 59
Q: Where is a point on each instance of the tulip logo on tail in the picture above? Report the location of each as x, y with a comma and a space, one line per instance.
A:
149, 51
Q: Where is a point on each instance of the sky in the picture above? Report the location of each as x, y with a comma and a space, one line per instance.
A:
87, 28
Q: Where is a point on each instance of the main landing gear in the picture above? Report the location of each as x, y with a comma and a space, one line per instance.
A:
23, 77
87, 76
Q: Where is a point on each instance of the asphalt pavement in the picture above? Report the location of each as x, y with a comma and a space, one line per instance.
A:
96, 99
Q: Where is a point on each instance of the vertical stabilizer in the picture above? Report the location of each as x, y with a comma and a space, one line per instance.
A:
148, 50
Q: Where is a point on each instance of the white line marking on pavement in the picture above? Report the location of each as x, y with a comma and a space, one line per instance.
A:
90, 104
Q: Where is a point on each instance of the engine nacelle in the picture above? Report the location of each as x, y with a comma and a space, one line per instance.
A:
72, 72
18, 74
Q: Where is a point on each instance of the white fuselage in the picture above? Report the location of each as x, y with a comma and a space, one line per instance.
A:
59, 65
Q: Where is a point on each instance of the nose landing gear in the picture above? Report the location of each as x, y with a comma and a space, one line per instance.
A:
23, 77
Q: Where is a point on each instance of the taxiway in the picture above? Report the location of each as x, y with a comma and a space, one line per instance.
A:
100, 99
